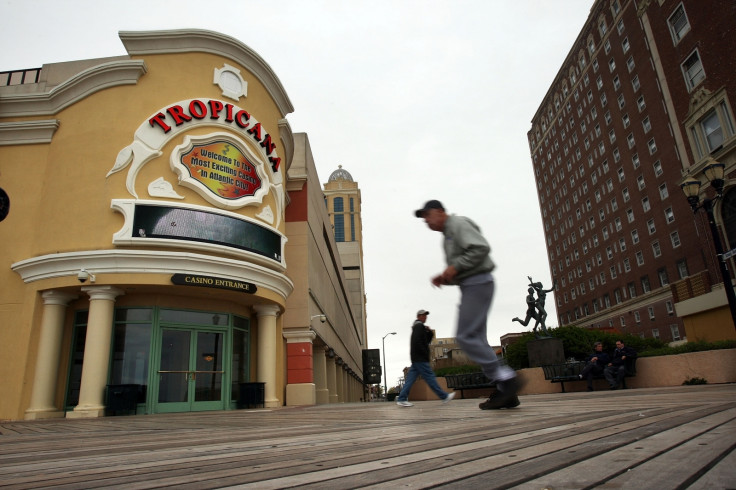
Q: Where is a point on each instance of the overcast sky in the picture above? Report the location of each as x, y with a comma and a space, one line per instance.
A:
416, 99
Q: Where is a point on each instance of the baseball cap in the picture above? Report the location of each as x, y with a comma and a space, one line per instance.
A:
422, 312
431, 204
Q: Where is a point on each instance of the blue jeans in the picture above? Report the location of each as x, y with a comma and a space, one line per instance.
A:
425, 371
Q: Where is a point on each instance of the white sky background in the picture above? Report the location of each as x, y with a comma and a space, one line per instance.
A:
416, 99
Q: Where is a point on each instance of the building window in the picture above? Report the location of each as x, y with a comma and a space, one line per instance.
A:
625, 45
632, 290
612, 136
646, 124
621, 101
670, 309
635, 83
630, 215
637, 318
641, 104
626, 194
663, 279
630, 140
652, 146
639, 258
635, 160
657, 168
645, 287
682, 272
626, 120
607, 46
616, 83
679, 25
650, 226
663, 193
630, 64
675, 332
651, 312
669, 216
656, 249
716, 127
645, 205
655, 333
611, 65
675, 237
692, 69
627, 265
640, 182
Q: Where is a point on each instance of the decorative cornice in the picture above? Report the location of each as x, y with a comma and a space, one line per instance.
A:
150, 262
199, 40
27, 132
83, 84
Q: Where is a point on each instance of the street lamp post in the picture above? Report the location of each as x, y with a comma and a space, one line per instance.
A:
383, 342
714, 173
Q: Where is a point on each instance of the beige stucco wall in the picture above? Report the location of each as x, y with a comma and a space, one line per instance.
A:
716, 366
61, 192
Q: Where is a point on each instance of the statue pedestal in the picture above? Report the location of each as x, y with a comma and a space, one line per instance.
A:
545, 351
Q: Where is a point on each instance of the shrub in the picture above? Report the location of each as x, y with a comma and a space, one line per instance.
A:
468, 368
578, 343
695, 381
698, 346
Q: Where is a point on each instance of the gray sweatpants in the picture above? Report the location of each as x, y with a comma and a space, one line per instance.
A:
476, 295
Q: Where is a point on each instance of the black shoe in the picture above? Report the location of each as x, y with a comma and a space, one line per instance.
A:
500, 402
503, 399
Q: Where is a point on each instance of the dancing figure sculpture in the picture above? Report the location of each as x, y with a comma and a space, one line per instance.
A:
535, 307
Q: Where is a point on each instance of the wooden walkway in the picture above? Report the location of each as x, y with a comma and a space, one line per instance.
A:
683, 437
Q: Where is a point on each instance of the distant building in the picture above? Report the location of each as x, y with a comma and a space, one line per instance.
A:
343, 200
643, 101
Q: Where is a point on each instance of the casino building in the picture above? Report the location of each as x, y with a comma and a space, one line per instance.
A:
165, 236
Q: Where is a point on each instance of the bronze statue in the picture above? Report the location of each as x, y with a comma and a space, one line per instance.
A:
535, 307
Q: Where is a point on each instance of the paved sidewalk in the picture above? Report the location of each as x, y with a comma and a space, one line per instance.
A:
683, 437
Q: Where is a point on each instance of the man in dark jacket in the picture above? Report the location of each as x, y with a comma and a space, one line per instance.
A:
596, 363
421, 337
616, 369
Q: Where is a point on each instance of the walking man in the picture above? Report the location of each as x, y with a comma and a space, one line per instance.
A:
421, 337
469, 266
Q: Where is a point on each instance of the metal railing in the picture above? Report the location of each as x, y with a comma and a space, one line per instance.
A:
19, 77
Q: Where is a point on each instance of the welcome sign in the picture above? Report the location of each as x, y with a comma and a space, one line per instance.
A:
223, 168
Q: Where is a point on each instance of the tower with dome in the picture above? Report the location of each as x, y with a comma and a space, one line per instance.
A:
342, 197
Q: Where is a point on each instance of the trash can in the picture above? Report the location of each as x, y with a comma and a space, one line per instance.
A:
251, 395
122, 398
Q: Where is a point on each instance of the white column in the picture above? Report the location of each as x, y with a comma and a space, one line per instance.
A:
339, 381
47, 359
267, 352
331, 369
320, 375
96, 351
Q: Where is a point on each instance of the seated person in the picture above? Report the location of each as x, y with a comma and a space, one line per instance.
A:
596, 363
616, 369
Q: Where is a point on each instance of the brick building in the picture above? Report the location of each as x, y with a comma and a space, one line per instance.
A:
640, 105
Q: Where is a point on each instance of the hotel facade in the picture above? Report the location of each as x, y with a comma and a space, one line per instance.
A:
642, 104
164, 229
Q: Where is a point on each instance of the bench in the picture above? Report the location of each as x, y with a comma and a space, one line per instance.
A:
570, 371
468, 381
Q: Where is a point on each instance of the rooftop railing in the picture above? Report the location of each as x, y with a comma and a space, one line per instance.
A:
19, 77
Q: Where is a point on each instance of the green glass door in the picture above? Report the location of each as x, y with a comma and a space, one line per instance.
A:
190, 374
